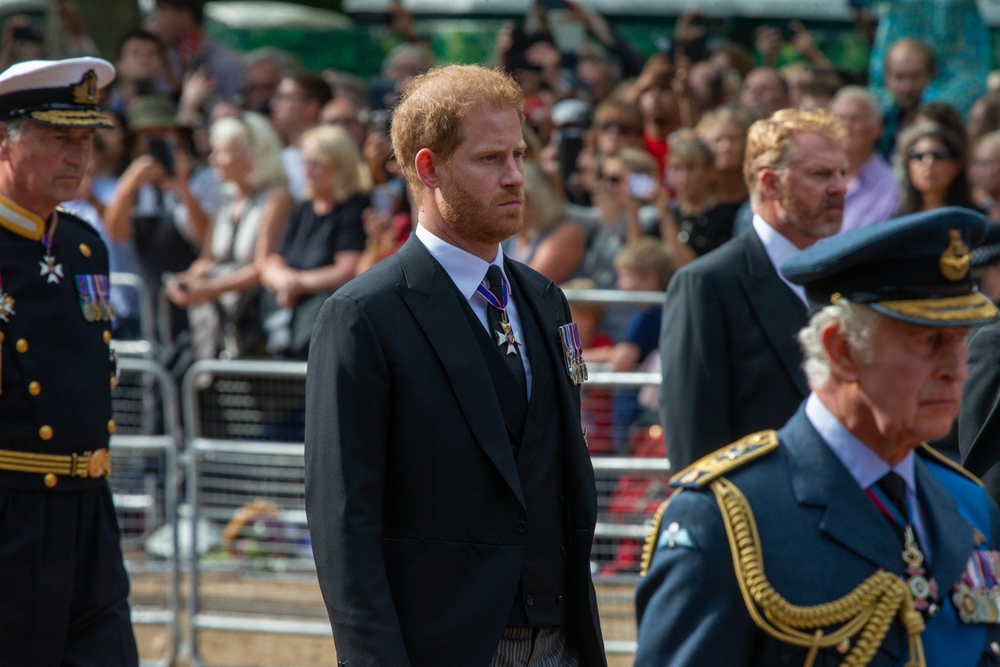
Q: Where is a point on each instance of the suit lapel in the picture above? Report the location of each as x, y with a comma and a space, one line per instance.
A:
780, 312
820, 479
949, 532
431, 297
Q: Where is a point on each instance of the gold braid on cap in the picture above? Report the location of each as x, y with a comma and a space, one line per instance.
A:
869, 609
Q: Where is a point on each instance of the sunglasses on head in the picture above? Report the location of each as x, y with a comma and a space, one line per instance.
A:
938, 155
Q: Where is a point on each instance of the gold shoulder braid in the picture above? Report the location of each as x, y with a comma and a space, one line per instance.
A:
649, 546
868, 609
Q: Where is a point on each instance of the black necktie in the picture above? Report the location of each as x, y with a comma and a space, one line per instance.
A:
494, 282
893, 486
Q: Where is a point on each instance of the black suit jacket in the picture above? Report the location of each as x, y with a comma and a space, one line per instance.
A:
979, 421
731, 363
412, 493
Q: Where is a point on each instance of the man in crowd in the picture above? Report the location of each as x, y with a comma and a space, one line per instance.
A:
449, 490
730, 364
909, 67
63, 585
763, 92
872, 193
853, 541
295, 108
342, 112
178, 24
265, 68
141, 69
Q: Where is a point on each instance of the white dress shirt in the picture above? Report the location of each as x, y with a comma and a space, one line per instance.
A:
467, 271
864, 464
779, 250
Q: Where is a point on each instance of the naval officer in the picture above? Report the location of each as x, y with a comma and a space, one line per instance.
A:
63, 586
843, 538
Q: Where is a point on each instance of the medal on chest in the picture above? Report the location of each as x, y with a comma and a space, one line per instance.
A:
507, 335
49, 267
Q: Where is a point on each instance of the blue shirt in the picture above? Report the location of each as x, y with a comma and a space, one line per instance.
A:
644, 331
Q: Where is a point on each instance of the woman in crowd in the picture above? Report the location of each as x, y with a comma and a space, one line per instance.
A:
725, 133
548, 242
931, 162
616, 125
695, 222
985, 171
323, 240
221, 288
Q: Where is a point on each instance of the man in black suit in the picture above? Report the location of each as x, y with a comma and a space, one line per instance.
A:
730, 362
449, 491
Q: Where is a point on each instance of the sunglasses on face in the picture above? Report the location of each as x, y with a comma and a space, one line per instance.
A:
938, 155
613, 179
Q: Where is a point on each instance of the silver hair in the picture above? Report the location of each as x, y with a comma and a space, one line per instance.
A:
859, 94
13, 128
857, 321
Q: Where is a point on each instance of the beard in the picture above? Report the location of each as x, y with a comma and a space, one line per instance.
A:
814, 222
478, 221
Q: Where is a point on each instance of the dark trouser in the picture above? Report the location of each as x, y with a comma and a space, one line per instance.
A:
534, 647
63, 586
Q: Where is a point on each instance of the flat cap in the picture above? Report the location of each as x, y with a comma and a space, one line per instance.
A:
61, 93
915, 268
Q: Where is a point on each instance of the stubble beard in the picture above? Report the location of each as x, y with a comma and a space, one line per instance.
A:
797, 214
480, 222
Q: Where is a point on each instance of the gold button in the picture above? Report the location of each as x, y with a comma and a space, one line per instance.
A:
45, 432
844, 646
107, 337
111, 426
85, 250
21, 345
113, 382
34, 389
50, 480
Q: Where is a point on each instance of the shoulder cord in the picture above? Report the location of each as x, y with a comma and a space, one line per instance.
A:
869, 608
649, 546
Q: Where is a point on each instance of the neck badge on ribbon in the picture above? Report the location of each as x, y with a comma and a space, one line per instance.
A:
506, 336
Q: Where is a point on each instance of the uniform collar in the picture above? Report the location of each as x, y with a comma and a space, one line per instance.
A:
860, 460
20, 220
465, 269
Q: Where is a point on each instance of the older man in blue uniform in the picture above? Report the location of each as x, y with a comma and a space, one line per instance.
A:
63, 586
843, 538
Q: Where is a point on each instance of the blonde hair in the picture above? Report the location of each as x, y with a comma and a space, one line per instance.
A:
434, 104
736, 117
546, 210
253, 134
638, 161
337, 150
990, 139
689, 148
770, 141
645, 256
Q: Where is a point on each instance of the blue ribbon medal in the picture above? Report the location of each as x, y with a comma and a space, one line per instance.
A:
506, 336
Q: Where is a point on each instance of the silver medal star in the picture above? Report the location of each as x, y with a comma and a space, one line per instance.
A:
509, 337
51, 269
6, 306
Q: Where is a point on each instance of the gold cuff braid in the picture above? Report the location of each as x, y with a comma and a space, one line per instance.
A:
868, 609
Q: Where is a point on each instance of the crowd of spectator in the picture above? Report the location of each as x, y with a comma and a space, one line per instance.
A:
248, 189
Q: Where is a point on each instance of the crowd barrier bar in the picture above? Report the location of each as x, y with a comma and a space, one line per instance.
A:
197, 445
610, 296
169, 444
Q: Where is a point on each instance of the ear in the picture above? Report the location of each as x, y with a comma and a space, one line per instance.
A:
843, 364
5, 145
428, 166
770, 184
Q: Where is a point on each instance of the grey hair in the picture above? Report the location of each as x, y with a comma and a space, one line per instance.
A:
859, 94
13, 128
857, 321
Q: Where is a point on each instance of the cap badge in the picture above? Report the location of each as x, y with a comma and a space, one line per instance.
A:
955, 260
85, 92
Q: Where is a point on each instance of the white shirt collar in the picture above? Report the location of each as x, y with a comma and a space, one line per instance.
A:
860, 460
465, 269
779, 250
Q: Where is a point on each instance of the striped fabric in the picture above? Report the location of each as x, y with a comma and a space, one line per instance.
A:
533, 647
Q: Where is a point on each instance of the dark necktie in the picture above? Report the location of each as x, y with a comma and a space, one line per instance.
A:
494, 282
893, 486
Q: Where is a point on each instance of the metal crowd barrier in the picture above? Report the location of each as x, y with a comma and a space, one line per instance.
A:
145, 346
251, 568
611, 296
144, 487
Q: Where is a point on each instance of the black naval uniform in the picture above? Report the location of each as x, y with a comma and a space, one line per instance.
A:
63, 585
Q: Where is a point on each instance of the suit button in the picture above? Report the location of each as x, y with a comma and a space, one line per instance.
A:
34, 388
529, 600
45, 432
563, 549
21, 345
521, 527
559, 600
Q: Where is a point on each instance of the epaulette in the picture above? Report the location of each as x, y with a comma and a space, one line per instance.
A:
720, 462
943, 460
66, 215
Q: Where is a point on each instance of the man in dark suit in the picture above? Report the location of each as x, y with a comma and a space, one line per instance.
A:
730, 362
449, 490
843, 538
